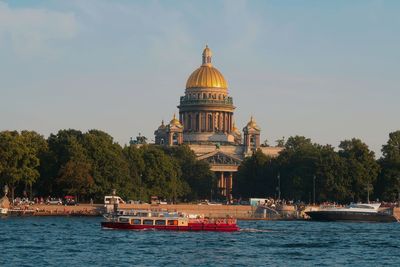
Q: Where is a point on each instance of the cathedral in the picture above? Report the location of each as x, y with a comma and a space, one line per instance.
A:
206, 124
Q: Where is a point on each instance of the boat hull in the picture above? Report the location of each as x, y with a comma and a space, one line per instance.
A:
213, 227
350, 216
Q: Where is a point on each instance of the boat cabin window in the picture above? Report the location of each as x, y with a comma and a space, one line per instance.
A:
124, 220
172, 222
148, 222
136, 221
160, 222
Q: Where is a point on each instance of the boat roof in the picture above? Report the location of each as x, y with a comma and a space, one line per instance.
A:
374, 206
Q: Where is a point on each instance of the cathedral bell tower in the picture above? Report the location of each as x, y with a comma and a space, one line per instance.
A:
251, 136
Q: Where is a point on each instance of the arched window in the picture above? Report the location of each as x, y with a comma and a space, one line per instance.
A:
175, 139
252, 141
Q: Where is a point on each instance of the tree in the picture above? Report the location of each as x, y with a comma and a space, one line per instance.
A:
62, 147
36, 146
109, 167
360, 167
280, 142
134, 157
18, 157
251, 178
331, 182
11, 158
388, 183
198, 180
161, 174
297, 167
76, 179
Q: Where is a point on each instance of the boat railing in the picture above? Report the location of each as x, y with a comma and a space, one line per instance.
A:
214, 221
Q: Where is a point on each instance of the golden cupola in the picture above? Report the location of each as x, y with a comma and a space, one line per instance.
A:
206, 76
252, 124
175, 122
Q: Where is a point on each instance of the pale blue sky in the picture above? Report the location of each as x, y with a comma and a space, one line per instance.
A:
328, 70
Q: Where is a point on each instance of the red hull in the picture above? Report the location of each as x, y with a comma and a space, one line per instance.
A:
214, 227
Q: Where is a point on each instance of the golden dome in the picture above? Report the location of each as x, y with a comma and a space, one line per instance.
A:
252, 124
206, 76
175, 122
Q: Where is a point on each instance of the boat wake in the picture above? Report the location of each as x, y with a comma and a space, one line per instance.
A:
253, 230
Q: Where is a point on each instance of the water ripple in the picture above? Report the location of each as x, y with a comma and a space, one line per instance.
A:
57, 241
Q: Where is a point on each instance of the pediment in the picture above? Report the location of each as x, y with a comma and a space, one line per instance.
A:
220, 158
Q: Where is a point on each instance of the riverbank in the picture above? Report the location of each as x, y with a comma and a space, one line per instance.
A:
58, 210
212, 211
242, 212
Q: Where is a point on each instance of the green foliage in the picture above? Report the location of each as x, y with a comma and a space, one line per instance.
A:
388, 183
91, 164
360, 166
197, 179
252, 178
338, 176
19, 157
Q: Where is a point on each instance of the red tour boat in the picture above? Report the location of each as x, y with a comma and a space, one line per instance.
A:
139, 220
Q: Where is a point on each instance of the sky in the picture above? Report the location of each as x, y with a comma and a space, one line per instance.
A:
327, 70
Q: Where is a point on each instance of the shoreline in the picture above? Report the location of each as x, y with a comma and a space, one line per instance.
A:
240, 212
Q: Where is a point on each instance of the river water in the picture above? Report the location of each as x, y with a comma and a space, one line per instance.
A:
72, 241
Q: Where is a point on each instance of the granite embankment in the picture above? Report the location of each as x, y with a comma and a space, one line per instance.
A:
212, 211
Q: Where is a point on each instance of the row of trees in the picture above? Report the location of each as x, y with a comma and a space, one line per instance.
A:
90, 165
305, 170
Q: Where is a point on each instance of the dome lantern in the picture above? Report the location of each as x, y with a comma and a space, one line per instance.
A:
207, 54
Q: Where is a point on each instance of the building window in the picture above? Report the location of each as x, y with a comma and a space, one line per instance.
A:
175, 139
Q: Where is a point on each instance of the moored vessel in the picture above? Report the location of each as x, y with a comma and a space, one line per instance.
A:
140, 220
3, 211
354, 212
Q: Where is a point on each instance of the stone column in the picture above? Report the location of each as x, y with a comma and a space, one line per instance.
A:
193, 121
221, 180
213, 122
206, 119
221, 121
200, 113
230, 122
224, 122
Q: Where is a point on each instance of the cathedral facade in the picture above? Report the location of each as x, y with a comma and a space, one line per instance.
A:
206, 124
